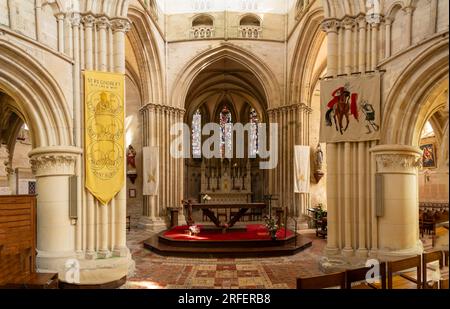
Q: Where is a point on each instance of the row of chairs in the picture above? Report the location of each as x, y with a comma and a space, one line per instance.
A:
388, 271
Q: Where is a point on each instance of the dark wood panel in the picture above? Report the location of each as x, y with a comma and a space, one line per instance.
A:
18, 240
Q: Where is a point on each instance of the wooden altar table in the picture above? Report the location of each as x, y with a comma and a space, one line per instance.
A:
207, 210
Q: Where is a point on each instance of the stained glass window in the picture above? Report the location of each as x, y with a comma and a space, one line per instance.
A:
197, 134
226, 132
254, 143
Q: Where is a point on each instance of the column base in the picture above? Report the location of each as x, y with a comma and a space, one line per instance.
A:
362, 253
331, 251
91, 271
120, 251
104, 254
338, 263
348, 252
152, 224
388, 255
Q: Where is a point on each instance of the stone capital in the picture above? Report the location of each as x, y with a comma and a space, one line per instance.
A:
54, 161
397, 159
75, 19
121, 25
330, 26
361, 22
88, 20
103, 22
348, 23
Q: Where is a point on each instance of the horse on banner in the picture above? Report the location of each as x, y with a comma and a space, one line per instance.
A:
341, 106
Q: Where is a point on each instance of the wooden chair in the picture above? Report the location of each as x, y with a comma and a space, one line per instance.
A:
446, 258
359, 274
394, 267
443, 284
322, 282
429, 258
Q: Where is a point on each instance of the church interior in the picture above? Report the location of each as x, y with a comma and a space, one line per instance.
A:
224, 144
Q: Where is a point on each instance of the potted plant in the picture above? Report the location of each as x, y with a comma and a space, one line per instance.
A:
272, 227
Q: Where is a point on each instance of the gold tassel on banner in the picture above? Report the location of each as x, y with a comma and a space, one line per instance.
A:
104, 134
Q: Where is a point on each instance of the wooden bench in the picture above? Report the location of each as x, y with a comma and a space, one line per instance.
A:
18, 245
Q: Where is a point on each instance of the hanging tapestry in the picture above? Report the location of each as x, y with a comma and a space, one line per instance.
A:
104, 134
350, 109
301, 169
151, 170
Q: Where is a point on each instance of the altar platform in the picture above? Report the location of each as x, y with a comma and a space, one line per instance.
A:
252, 240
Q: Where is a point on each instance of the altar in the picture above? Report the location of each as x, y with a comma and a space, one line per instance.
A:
225, 181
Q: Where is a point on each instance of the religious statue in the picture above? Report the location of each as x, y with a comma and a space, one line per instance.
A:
131, 157
131, 163
318, 174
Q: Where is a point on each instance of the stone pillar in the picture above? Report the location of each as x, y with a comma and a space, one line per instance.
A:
331, 27
374, 57
60, 19
120, 27
408, 24
348, 24
150, 219
52, 167
388, 25
362, 24
398, 213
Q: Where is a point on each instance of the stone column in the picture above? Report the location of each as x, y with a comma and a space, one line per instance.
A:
374, 57
362, 25
398, 213
150, 219
331, 27
60, 19
52, 167
388, 25
120, 27
348, 24
408, 24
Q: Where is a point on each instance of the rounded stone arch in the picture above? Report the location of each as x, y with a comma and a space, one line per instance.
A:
202, 20
147, 54
307, 49
250, 61
250, 19
406, 103
37, 96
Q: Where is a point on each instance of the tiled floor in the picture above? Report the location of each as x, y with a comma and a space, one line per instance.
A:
154, 271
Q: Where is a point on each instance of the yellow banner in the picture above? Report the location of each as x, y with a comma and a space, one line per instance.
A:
104, 134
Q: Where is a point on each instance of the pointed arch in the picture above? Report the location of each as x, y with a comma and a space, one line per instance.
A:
147, 54
405, 103
307, 49
226, 50
37, 96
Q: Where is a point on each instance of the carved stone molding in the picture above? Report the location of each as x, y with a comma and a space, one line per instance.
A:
59, 161
103, 22
397, 159
348, 23
330, 25
75, 19
121, 25
88, 20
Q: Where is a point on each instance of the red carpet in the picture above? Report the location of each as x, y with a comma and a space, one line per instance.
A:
253, 232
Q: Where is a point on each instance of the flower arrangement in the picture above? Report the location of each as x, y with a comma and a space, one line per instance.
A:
194, 230
272, 226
